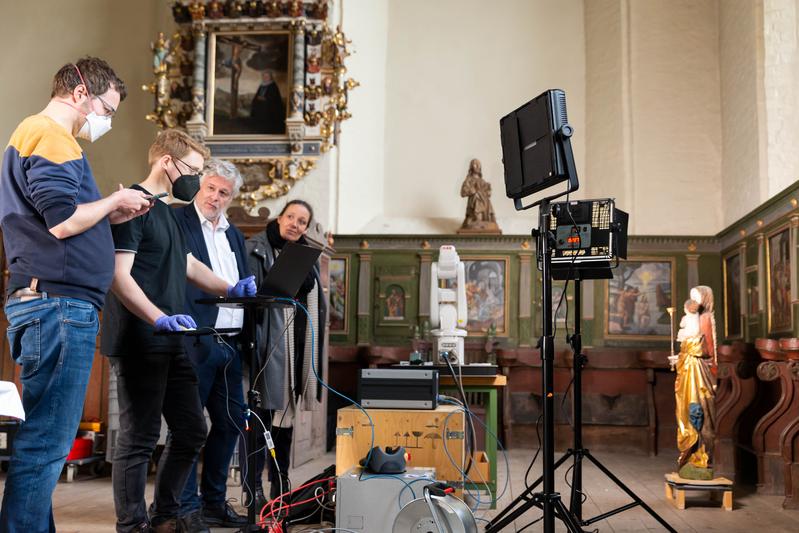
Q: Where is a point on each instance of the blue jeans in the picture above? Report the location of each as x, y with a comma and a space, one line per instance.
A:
218, 370
53, 339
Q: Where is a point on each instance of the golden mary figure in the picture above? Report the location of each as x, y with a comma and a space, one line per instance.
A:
695, 386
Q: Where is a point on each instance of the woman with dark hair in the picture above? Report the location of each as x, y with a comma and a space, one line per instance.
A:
286, 381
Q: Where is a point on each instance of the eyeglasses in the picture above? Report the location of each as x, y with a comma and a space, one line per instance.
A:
109, 111
193, 170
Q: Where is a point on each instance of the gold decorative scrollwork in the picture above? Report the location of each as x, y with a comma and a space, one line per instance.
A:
317, 87
269, 178
172, 85
326, 101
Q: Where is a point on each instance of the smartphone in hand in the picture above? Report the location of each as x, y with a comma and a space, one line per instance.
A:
154, 197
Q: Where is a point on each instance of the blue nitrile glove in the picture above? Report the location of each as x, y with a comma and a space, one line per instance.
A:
175, 323
243, 287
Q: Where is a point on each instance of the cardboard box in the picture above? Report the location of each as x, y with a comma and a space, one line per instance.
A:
422, 432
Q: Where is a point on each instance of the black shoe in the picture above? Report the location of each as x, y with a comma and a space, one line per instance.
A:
223, 516
194, 523
169, 526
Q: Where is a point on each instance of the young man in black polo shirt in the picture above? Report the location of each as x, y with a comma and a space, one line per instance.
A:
154, 375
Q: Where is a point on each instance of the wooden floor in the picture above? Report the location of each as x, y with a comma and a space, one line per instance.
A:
86, 506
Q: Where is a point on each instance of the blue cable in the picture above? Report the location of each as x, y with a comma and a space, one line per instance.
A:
491, 433
496, 439
372, 425
476, 494
325, 385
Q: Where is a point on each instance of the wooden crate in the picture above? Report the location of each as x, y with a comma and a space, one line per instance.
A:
480, 471
421, 432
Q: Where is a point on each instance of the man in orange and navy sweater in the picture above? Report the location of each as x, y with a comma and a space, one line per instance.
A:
57, 238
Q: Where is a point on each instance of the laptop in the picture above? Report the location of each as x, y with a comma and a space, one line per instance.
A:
289, 270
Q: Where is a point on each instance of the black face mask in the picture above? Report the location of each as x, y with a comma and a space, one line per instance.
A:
186, 186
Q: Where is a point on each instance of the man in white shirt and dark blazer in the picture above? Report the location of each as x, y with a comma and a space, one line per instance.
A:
217, 359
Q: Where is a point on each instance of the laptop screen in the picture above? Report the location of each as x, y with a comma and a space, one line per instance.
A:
290, 268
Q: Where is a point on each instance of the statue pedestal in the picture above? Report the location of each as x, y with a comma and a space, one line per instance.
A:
481, 228
676, 486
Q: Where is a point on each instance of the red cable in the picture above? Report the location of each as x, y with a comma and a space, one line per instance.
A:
279, 498
272, 502
294, 504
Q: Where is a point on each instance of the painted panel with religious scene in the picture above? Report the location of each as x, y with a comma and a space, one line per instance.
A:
486, 294
637, 299
249, 81
779, 281
732, 295
394, 303
338, 295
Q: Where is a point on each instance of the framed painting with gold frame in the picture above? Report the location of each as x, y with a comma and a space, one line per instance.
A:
487, 291
249, 77
636, 299
778, 280
733, 317
339, 289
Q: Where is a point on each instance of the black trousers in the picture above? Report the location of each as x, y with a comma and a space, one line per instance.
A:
149, 385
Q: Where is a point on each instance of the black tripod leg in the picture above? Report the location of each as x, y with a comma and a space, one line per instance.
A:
498, 524
629, 492
557, 465
566, 517
525, 497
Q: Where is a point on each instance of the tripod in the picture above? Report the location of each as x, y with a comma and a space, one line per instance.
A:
528, 498
548, 500
251, 306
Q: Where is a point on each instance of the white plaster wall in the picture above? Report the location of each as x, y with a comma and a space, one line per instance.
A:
676, 118
608, 154
358, 184
781, 92
39, 37
744, 183
654, 113
453, 68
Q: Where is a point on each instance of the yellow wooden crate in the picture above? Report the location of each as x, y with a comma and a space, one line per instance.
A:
421, 432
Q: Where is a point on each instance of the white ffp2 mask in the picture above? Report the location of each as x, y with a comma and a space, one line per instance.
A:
95, 127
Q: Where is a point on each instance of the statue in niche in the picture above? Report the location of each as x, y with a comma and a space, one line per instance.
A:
197, 10
215, 10
273, 9
695, 386
480, 216
161, 49
295, 8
